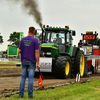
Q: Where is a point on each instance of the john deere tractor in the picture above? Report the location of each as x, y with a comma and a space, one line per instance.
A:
58, 55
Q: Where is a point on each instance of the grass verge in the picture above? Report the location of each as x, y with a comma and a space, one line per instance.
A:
10, 62
85, 91
9, 67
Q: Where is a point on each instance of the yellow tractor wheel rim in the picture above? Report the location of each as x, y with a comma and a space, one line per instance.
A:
67, 67
82, 65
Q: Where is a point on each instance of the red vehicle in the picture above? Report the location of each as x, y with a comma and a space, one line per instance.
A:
91, 52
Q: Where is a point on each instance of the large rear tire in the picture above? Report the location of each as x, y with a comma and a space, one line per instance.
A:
63, 67
79, 63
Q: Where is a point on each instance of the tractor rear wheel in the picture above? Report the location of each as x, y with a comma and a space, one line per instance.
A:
63, 67
79, 63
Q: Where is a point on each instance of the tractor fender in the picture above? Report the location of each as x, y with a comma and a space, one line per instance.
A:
75, 50
64, 54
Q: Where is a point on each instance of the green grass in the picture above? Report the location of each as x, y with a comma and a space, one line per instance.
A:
9, 67
10, 62
70, 92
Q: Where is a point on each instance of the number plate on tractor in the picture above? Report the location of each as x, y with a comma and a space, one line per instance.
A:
46, 65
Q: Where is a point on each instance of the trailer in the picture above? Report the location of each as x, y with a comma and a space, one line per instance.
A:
91, 53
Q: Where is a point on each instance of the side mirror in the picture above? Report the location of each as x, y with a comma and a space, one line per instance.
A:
73, 33
35, 32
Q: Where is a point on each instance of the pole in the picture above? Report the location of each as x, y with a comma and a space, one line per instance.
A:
77, 79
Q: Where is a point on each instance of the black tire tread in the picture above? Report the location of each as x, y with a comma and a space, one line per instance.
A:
77, 61
60, 67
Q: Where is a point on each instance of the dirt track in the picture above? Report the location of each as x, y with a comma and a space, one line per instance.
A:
10, 80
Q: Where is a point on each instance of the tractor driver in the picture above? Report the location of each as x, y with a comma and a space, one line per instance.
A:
58, 40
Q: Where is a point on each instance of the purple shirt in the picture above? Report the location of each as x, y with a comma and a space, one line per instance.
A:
28, 45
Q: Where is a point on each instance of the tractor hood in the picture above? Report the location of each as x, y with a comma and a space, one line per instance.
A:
49, 45
50, 50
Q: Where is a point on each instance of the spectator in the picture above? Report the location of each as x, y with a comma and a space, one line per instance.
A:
29, 49
80, 43
87, 44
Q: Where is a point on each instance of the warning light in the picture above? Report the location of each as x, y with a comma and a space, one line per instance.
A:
89, 32
67, 26
43, 26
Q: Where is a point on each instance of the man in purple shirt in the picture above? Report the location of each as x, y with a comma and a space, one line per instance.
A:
29, 49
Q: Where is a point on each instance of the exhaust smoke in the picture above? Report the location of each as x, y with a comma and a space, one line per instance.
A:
30, 7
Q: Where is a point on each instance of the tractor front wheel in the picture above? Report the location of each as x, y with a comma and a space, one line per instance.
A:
63, 67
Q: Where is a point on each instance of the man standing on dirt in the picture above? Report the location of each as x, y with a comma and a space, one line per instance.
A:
29, 49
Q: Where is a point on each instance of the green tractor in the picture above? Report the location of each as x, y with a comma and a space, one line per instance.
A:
57, 54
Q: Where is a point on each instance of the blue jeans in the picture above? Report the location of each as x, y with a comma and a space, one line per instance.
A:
30, 67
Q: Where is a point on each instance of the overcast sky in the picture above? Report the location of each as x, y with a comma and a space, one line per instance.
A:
80, 15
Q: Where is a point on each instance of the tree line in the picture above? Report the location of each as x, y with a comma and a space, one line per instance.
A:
1, 39
14, 39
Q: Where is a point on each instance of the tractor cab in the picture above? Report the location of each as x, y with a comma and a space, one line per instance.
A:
56, 39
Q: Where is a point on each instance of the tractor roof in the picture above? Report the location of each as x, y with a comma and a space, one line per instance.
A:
56, 29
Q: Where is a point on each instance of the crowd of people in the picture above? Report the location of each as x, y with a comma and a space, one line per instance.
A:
80, 44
